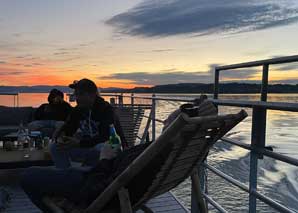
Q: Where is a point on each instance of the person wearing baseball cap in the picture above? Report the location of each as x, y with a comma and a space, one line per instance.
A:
86, 129
49, 115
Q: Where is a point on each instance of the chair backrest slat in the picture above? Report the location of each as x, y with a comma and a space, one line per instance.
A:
130, 118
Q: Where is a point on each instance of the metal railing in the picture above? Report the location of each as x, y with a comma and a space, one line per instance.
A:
258, 132
15, 98
257, 147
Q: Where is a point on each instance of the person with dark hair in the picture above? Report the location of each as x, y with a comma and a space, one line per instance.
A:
57, 109
200, 106
86, 129
52, 114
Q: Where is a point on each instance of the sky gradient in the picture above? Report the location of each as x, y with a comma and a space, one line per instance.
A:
128, 43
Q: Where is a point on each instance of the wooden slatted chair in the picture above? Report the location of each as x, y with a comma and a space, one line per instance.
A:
130, 118
183, 145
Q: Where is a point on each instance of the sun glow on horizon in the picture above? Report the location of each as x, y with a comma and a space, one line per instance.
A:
110, 44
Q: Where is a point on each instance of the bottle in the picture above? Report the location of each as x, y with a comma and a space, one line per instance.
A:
114, 139
27, 142
21, 135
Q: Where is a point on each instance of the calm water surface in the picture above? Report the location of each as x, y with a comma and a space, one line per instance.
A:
275, 179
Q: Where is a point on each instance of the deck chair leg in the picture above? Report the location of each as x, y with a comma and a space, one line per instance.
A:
146, 209
51, 205
125, 204
197, 191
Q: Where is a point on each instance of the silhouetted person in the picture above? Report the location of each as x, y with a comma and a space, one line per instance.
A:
52, 114
86, 129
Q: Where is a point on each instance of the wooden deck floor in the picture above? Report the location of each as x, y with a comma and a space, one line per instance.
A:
166, 203
21, 203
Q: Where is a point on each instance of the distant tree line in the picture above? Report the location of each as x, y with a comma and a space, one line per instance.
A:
208, 88
170, 88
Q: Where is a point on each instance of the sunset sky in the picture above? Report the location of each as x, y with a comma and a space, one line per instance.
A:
128, 43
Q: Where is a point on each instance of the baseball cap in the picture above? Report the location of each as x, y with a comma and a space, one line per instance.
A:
85, 85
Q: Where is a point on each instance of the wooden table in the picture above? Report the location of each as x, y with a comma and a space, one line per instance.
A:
24, 158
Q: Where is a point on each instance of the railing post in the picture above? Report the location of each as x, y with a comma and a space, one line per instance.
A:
120, 99
153, 116
264, 89
194, 199
258, 137
112, 101
216, 83
132, 99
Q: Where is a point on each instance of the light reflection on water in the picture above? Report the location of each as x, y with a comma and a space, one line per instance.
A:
275, 179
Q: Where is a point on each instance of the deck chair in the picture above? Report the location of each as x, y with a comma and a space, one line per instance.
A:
130, 118
182, 146
186, 142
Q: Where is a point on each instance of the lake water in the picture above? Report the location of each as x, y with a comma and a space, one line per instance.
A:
275, 179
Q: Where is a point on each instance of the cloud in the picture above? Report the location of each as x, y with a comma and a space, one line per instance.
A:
24, 56
17, 35
2, 62
62, 53
285, 81
241, 74
163, 50
173, 76
287, 67
145, 78
159, 18
68, 49
5, 73
37, 64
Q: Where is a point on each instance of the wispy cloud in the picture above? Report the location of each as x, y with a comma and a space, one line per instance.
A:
17, 35
239, 74
200, 17
288, 67
61, 53
5, 73
68, 49
37, 64
173, 76
163, 50
2, 62
286, 81
145, 78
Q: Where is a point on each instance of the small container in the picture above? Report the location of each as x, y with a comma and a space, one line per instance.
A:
25, 144
46, 142
38, 143
32, 143
15, 145
8, 145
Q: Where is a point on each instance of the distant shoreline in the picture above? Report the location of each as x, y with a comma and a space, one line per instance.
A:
190, 88
170, 93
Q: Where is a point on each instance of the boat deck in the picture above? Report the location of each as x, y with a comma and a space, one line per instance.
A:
21, 203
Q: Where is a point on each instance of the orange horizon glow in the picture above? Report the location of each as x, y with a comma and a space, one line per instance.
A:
45, 74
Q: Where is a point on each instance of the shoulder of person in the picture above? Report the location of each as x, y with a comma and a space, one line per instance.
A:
75, 110
44, 105
66, 104
207, 107
104, 105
